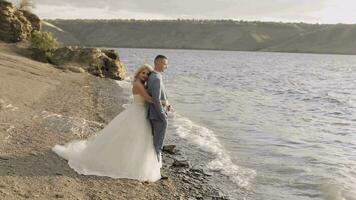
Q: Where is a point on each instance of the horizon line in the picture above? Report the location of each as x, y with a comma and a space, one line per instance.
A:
205, 20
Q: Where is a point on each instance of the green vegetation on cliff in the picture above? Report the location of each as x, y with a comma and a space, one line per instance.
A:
211, 34
45, 42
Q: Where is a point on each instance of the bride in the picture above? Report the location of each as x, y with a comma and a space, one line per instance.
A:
124, 148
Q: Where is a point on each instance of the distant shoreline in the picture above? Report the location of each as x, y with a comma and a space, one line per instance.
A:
127, 47
221, 35
201, 20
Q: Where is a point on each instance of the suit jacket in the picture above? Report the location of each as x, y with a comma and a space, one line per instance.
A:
156, 89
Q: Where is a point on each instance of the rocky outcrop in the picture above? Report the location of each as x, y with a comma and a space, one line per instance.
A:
16, 25
171, 149
33, 19
102, 63
195, 179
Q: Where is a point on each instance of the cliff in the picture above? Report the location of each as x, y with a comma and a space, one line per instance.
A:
213, 34
16, 25
338, 39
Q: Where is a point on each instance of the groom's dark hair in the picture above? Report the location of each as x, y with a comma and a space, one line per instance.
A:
160, 57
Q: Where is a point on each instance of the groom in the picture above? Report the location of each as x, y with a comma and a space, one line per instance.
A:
157, 111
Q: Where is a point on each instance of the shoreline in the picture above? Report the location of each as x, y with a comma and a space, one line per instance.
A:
190, 182
225, 50
42, 106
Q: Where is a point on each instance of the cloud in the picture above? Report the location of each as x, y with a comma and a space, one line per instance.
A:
275, 10
193, 7
336, 11
68, 12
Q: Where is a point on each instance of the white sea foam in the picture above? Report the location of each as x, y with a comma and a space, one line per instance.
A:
207, 141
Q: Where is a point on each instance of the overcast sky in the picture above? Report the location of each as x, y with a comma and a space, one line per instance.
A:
312, 11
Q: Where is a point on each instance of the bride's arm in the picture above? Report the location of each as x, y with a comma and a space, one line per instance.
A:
139, 87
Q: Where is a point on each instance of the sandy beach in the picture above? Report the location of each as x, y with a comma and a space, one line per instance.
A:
41, 106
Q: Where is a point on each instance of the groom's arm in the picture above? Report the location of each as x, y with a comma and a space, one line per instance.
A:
156, 98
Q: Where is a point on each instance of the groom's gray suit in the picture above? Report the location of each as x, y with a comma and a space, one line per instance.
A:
156, 111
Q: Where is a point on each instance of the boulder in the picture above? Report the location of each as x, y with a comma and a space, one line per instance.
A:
181, 163
171, 149
111, 53
92, 60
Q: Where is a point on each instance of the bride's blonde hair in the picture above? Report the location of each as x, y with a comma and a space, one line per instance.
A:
140, 69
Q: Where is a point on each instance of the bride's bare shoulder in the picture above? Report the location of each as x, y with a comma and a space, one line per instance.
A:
137, 86
137, 83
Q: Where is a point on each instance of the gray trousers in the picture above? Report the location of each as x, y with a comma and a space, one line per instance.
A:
159, 131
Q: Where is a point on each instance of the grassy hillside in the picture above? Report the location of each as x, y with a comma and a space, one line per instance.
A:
62, 35
212, 34
333, 39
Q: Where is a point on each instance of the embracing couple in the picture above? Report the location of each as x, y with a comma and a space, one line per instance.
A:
130, 145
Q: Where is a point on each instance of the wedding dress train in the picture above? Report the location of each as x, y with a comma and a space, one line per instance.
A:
123, 149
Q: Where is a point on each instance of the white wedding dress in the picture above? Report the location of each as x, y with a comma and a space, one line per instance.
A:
123, 149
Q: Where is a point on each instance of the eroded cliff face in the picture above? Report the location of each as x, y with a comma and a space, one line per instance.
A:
16, 25
99, 62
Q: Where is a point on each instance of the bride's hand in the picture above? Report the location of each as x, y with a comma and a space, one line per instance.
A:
170, 108
149, 99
